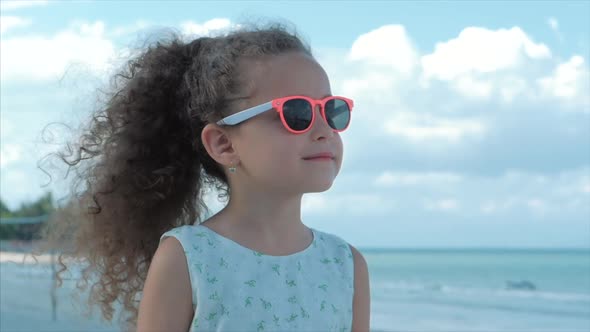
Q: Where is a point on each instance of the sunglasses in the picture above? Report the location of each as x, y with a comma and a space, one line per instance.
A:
297, 112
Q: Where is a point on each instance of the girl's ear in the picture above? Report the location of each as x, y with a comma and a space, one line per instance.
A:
218, 144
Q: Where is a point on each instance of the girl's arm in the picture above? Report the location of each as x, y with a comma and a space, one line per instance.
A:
166, 304
361, 304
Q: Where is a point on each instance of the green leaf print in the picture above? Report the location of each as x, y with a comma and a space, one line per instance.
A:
214, 296
334, 309
323, 306
275, 318
256, 253
292, 299
298, 266
275, 268
199, 267
343, 246
201, 234
322, 237
251, 283
222, 262
224, 311
248, 301
212, 280
261, 326
211, 316
324, 287
210, 243
326, 261
266, 304
304, 313
292, 318
338, 261
290, 283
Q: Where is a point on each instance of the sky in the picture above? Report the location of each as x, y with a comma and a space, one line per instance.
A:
471, 125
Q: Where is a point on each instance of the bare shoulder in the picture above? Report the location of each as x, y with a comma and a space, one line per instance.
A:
166, 302
361, 306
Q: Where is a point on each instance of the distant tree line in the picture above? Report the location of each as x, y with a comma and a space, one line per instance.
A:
20, 231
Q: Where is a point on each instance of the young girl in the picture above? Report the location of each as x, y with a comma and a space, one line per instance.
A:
251, 113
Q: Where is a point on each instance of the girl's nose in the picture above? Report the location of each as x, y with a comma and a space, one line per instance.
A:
320, 127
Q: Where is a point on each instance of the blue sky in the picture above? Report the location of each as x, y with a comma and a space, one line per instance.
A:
472, 119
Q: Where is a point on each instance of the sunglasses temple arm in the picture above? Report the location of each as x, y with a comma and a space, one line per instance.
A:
245, 114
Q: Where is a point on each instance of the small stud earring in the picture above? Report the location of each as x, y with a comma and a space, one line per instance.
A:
232, 169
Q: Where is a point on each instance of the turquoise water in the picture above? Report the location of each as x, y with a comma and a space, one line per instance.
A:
478, 290
411, 290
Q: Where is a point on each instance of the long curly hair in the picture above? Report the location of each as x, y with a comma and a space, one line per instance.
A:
139, 167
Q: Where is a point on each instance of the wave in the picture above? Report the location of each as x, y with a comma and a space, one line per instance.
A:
480, 292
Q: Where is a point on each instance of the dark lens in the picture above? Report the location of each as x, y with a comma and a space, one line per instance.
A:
297, 113
337, 113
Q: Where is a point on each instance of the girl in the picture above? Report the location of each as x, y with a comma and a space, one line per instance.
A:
251, 113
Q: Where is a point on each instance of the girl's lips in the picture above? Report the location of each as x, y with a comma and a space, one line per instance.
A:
320, 159
326, 155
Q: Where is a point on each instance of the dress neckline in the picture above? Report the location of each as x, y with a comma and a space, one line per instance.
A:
231, 242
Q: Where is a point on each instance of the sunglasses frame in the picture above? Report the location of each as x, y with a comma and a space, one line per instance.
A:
277, 104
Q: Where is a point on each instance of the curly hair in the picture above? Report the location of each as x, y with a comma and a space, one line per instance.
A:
140, 168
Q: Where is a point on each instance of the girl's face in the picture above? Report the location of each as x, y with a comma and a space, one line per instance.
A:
270, 155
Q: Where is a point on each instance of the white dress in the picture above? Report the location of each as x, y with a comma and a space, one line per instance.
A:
238, 289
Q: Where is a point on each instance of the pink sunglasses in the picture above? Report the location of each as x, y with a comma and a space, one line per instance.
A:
297, 112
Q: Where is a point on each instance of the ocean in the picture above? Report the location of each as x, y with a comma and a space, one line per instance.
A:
411, 290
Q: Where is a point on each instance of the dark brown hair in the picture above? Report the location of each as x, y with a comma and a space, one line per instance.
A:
139, 166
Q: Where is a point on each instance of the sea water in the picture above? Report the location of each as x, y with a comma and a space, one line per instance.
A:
411, 290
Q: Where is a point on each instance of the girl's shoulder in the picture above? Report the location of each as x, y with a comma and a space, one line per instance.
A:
332, 242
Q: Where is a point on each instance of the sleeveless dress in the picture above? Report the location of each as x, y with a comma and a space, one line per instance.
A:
235, 288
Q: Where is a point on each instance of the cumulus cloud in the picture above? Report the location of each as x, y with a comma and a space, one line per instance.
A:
480, 50
191, 28
7, 5
82, 45
388, 46
570, 80
11, 22
423, 126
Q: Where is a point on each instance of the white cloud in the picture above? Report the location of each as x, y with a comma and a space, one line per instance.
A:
84, 45
423, 126
11, 22
537, 206
314, 203
130, 29
9, 153
388, 46
470, 87
6, 5
568, 81
442, 204
552, 21
190, 28
387, 179
480, 50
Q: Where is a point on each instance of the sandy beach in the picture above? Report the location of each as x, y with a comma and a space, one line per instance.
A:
24, 258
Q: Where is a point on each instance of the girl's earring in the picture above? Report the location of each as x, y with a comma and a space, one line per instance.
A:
232, 169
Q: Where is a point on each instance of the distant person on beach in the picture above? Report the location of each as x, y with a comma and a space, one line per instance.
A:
251, 113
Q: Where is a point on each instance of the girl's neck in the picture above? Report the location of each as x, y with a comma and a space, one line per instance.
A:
271, 223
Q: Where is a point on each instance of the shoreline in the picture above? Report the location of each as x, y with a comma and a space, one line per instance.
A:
25, 258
